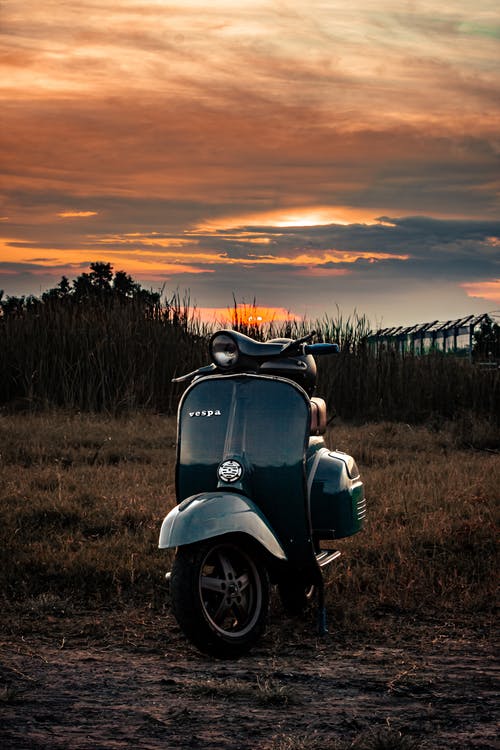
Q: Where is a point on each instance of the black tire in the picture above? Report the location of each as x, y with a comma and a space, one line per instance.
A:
220, 596
296, 597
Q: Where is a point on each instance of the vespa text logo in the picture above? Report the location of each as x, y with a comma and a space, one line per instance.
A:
206, 413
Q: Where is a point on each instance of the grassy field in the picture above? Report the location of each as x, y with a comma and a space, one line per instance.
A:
82, 498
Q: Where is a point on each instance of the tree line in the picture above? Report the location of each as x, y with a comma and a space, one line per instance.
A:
99, 286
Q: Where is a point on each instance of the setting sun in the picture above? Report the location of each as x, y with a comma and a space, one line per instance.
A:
250, 315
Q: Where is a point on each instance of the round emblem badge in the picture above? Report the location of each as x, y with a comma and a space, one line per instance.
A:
229, 471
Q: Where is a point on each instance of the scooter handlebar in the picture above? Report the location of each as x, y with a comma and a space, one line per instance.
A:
316, 349
320, 349
196, 373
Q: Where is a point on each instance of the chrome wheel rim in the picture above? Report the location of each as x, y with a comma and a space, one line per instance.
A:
230, 591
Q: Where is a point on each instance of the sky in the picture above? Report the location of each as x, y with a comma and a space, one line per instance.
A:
315, 156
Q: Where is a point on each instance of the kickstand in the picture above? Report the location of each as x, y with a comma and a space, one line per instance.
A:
322, 623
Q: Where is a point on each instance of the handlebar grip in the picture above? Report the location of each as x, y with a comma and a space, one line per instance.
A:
320, 349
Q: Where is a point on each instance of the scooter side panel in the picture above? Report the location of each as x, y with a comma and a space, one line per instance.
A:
336, 495
213, 514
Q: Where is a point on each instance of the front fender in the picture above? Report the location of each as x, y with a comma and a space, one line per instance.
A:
212, 514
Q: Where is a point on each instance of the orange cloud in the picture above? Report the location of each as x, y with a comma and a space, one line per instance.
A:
344, 256
177, 255
70, 260
319, 261
489, 290
324, 271
144, 238
77, 214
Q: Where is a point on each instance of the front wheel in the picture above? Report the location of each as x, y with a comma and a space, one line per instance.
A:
220, 596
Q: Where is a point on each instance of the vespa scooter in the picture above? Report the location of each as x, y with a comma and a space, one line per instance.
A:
257, 491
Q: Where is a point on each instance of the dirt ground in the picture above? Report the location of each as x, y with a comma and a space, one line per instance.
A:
109, 683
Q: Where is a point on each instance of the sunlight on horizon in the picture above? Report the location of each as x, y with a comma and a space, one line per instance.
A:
307, 216
248, 314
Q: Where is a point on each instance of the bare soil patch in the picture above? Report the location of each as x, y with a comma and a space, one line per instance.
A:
90, 683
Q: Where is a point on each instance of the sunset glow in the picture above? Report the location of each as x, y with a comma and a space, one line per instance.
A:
77, 214
488, 290
247, 314
293, 217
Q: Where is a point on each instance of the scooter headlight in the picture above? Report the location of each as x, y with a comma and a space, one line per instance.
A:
224, 351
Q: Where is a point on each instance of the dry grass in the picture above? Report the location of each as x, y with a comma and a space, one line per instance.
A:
82, 499
263, 691
429, 547
381, 739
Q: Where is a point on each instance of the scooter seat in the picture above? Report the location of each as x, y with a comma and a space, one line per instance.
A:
318, 416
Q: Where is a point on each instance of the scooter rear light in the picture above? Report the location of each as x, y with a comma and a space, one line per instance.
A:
224, 351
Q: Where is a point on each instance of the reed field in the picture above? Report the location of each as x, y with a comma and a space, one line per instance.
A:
115, 355
82, 498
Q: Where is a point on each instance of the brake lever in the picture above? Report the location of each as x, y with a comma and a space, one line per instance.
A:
190, 375
294, 346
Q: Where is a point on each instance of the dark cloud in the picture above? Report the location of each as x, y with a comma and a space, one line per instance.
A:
432, 241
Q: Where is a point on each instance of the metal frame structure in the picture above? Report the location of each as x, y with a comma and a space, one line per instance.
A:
447, 336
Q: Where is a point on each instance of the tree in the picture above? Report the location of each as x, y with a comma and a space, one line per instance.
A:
61, 291
124, 285
101, 276
99, 286
13, 307
96, 284
487, 340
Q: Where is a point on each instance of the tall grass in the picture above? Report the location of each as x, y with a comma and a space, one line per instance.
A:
114, 357
364, 384
98, 357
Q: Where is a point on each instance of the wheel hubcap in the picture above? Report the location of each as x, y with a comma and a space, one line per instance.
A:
230, 590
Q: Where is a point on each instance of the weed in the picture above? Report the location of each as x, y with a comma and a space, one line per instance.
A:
273, 693
230, 689
305, 742
384, 739
381, 739
264, 692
